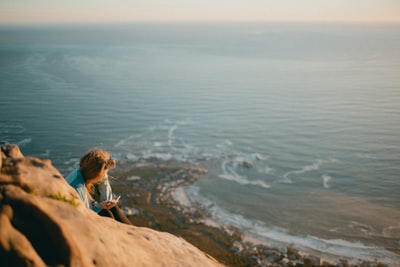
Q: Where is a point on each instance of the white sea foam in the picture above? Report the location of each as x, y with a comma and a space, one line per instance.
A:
312, 167
230, 174
260, 183
24, 141
243, 180
158, 144
125, 141
265, 169
325, 180
170, 134
268, 170
71, 161
361, 227
133, 178
228, 142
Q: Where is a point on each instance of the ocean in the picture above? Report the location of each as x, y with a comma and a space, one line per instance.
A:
298, 124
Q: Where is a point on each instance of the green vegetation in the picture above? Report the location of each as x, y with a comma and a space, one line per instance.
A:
60, 197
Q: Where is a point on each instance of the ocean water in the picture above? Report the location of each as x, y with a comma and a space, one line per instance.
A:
314, 109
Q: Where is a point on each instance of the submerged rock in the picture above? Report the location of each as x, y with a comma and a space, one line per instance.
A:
247, 164
44, 223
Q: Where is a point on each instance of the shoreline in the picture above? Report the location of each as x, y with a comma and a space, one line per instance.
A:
147, 196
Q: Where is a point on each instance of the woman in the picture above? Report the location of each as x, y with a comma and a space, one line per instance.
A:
93, 172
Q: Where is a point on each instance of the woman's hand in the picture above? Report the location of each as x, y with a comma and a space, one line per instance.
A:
106, 205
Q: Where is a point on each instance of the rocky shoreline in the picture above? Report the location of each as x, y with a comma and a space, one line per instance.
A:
147, 190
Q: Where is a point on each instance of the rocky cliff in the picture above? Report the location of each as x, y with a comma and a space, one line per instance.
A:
44, 223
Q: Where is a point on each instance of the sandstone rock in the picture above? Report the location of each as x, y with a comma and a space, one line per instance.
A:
11, 151
44, 223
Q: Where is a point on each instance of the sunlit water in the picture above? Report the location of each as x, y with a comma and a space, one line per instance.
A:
315, 109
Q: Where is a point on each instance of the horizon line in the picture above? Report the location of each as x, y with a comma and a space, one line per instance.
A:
121, 22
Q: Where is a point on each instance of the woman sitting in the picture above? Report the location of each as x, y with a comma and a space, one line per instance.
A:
93, 174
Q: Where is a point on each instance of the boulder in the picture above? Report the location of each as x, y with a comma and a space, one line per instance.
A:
44, 223
11, 151
247, 164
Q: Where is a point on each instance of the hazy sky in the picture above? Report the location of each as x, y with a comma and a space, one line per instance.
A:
23, 11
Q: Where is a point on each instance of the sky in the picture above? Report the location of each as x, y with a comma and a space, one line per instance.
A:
77, 11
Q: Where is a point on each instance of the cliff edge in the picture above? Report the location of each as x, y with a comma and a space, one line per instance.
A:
44, 223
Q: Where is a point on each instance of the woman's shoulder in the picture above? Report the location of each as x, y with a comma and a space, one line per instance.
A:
75, 176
